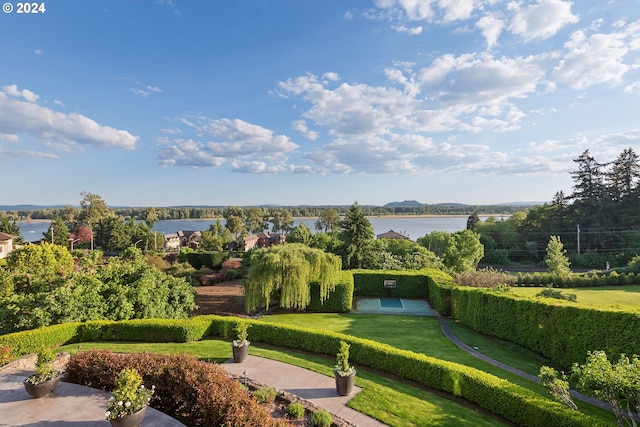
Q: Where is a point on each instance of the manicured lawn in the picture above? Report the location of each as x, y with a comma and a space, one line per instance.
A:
422, 334
607, 295
395, 403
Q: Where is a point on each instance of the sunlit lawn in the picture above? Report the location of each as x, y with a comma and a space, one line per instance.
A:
422, 334
394, 402
608, 295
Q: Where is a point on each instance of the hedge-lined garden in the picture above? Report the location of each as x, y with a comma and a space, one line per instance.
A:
556, 329
515, 403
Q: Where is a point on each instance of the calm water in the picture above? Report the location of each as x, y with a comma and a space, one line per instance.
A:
413, 227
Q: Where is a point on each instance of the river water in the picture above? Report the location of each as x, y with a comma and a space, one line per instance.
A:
414, 227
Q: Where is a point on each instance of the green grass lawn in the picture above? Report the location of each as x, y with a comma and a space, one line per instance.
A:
422, 334
393, 402
606, 295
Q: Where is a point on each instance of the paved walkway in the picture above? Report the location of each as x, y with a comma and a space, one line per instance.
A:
69, 405
316, 388
446, 330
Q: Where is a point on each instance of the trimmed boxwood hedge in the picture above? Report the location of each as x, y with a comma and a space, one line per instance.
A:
513, 402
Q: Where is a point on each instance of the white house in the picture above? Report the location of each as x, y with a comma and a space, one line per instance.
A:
6, 244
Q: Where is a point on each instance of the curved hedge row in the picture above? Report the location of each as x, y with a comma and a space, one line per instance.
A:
513, 402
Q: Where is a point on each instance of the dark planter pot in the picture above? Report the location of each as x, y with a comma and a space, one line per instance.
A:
240, 353
344, 385
43, 389
131, 420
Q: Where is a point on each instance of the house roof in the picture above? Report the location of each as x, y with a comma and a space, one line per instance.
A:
393, 235
6, 237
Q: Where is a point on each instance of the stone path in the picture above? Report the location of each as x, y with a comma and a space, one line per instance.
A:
316, 388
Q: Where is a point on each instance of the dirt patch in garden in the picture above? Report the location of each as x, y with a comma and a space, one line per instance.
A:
226, 298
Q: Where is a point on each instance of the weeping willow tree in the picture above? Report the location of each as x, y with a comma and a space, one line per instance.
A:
289, 270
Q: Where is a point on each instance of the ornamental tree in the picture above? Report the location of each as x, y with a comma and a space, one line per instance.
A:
286, 272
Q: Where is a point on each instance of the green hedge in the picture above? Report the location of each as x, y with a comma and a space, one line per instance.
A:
559, 330
339, 301
609, 278
513, 402
409, 284
212, 260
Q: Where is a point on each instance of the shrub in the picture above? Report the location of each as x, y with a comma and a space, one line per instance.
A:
192, 391
321, 418
265, 394
485, 278
6, 355
550, 293
295, 411
230, 275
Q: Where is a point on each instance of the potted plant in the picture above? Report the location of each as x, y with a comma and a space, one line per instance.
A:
344, 373
128, 405
46, 378
240, 345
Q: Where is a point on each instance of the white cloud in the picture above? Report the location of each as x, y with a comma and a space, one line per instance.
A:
21, 114
26, 94
633, 88
243, 145
145, 91
182, 152
58, 103
412, 31
598, 58
541, 20
301, 126
491, 28
38, 52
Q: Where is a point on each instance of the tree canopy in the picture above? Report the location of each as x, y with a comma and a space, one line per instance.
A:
286, 272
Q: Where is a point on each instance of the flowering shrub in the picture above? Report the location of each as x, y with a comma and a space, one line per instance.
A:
129, 396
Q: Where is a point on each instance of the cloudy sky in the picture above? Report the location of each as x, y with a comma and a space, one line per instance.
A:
199, 102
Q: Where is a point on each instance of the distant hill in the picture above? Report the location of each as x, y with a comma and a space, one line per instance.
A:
404, 204
29, 207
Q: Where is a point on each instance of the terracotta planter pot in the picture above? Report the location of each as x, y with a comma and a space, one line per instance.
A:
131, 420
344, 385
240, 353
43, 389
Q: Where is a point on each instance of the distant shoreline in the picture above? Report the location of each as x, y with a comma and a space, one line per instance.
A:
396, 216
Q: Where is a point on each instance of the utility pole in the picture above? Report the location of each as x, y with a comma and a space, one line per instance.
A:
578, 239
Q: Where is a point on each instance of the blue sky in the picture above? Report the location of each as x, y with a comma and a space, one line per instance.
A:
293, 102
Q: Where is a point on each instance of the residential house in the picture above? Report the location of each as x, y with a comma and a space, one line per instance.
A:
190, 239
263, 240
6, 244
393, 235
171, 242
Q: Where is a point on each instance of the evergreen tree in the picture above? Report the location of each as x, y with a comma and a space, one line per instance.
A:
9, 226
556, 258
472, 221
58, 233
357, 237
